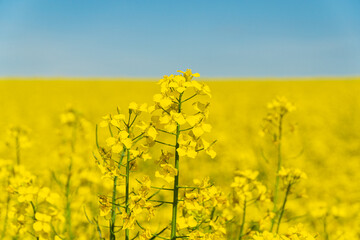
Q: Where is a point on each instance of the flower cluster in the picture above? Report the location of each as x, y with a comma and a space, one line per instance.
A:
18, 136
273, 122
246, 191
201, 211
290, 176
192, 125
128, 141
181, 111
30, 208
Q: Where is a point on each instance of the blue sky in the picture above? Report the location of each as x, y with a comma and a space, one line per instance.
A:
150, 38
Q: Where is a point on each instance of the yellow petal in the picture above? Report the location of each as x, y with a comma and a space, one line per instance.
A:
191, 222
192, 120
196, 75
133, 106
46, 228
110, 141
117, 148
197, 131
192, 154
181, 223
127, 142
181, 152
119, 117
165, 103
115, 123
211, 153
152, 133
37, 226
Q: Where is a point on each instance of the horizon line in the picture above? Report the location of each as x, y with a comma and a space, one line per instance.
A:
122, 78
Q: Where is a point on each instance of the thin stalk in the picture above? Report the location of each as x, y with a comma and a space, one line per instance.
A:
243, 221
157, 234
277, 180
161, 188
176, 182
160, 130
68, 183
127, 187
211, 215
127, 177
113, 206
166, 144
34, 210
326, 234
99, 230
154, 235
68, 203
187, 99
283, 207
186, 129
160, 201
132, 122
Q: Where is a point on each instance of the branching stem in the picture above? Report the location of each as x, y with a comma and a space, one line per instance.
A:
277, 179
282, 210
243, 220
176, 182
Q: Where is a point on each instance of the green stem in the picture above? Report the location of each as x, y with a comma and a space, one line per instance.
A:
34, 218
166, 144
68, 183
176, 181
68, 203
325, 229
132, 122
157, 234
160, 130
277, 180
243, 221
283, 207
17, 149
127, 187
189, 98
113, 206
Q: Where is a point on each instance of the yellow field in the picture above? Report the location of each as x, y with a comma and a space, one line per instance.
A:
324, 144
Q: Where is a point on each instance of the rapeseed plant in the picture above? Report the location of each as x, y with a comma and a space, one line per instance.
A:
125, 145
71, 175
246, 191
273, 127
187, 128
18, 139
31, 210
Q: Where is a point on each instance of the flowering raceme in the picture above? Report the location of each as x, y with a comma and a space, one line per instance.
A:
246, 191
171, 117
128, 141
